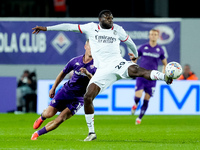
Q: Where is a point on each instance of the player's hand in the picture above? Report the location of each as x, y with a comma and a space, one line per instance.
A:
37, 29
84, 70
51, 93
132, 57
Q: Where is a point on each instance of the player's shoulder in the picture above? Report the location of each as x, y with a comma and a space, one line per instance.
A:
92, 24
76, 59
117, 27
144, 46
159, 47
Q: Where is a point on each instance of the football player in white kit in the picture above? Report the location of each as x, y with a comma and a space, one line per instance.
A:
105, 40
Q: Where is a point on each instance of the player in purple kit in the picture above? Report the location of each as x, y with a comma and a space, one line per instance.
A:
69, 98
150, 54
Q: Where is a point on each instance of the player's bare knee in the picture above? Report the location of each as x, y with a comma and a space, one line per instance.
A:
87, 99
47, 114
44, 114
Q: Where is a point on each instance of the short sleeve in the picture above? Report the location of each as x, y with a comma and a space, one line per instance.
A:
123, 36
162, 55
68, 67
140, 51
94, 70
84, 28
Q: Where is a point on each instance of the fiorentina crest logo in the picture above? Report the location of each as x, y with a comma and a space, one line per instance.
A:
61, 43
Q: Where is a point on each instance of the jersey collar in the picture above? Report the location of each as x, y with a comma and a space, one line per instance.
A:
99, 27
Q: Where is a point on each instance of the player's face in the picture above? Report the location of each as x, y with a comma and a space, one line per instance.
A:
106, 21
153, 36
88, 49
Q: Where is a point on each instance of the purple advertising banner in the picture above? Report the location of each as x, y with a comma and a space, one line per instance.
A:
8, 87
19, 46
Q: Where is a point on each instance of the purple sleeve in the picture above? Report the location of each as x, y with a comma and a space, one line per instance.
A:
68, 67
94, 70
140, 51
162, 55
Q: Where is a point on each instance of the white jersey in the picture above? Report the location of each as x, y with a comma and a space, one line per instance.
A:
105, 49
104, 43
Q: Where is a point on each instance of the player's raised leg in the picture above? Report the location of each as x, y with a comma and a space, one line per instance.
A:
136, 71
91, 93
47, 113
65, 114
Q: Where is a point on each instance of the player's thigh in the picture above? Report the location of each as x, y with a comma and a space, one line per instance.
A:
136, 71
147, 96
139, 87
139, 93
149, 89
92, 91
49, 112
101, 80
64, 115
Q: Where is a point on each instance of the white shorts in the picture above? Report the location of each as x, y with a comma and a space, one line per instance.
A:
105, 77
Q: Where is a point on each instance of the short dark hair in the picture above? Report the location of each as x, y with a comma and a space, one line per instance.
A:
154, 30
103, 12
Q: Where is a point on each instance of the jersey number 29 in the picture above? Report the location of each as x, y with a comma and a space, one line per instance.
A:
120, 65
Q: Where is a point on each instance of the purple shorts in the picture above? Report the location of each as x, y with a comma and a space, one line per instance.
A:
67, 99
147, 85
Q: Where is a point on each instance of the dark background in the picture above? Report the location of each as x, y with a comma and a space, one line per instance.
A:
83, 8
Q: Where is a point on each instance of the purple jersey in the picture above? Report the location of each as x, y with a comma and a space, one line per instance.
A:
150, 56
78, 83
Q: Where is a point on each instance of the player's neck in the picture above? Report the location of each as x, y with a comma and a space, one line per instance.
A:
86, 59
104, 27
152, 43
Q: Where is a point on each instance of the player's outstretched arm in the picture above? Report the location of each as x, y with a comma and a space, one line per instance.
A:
164, 61
64, 27
132, 57
37, 29
124, 37
59, 27
132, 46
59, 78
